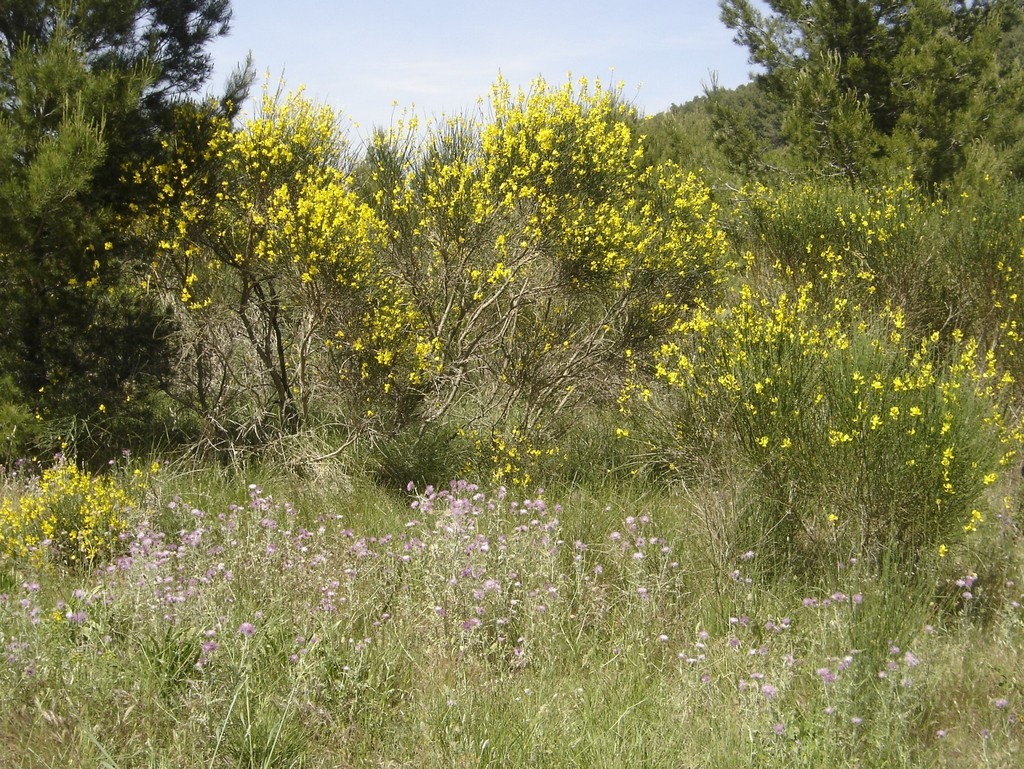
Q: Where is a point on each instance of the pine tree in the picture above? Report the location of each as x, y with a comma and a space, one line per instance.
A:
86, 88
875, 86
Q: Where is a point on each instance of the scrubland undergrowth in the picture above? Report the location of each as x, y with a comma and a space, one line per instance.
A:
779, 426
477, 627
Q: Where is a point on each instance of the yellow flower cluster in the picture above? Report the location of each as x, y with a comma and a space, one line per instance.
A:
70, 516
858, 244
535, 245
517, 459
264, 221
800, 381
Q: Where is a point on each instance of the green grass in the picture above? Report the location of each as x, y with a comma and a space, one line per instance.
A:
609, 627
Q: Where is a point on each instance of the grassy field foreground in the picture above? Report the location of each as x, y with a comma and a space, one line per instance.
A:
333, 623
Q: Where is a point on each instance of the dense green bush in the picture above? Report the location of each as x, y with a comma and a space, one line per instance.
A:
19, 430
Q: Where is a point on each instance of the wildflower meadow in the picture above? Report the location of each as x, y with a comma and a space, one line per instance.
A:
492, 441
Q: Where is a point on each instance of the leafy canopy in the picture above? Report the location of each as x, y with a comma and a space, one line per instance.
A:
876, 86
86, 87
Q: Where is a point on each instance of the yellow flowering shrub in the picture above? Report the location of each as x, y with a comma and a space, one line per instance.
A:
538, 250
949, 259
864, 245
67, 516
853, 435
263, 239
490, 276
981, 235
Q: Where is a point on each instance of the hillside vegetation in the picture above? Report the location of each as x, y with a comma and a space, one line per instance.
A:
548, 434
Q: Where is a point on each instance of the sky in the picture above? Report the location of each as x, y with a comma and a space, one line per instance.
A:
371, 60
